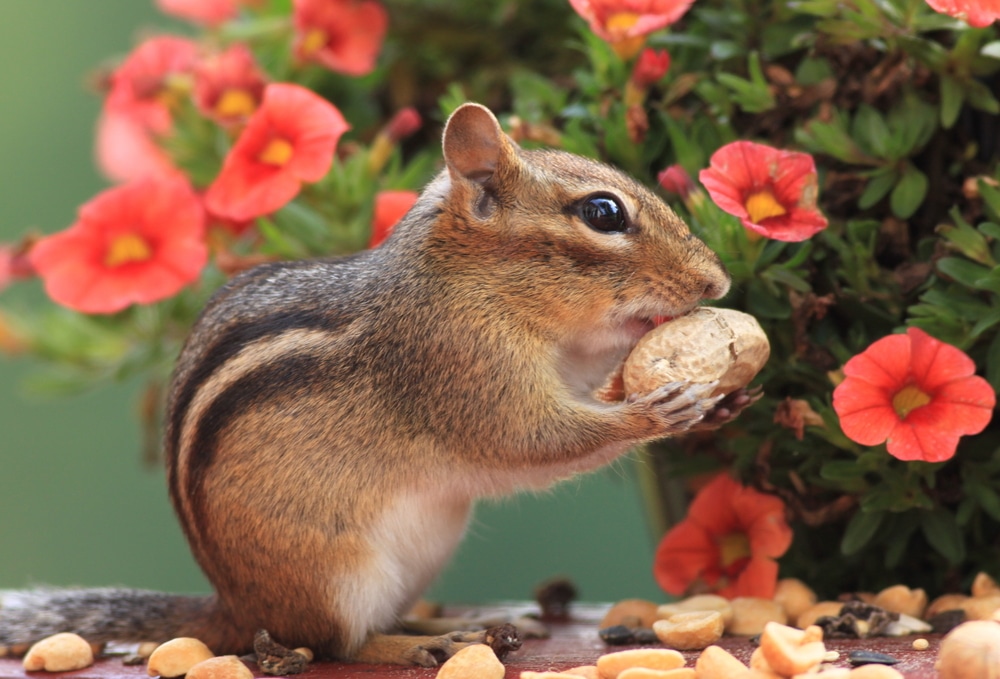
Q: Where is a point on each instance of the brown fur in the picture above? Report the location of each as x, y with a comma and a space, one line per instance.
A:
331, 422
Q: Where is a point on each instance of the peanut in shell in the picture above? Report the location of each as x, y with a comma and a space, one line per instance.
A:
706, 345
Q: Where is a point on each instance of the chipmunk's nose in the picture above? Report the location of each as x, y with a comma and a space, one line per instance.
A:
716, 283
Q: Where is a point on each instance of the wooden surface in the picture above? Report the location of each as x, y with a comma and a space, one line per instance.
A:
574, 642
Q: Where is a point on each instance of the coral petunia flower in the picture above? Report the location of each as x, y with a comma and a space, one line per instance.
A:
228, 86
343, 35
675, 179
772, 192
914, 392
290, 139
135, 243
727, 544
625, 23
137, 108
390, 206
207, 12
978, 13
650, 67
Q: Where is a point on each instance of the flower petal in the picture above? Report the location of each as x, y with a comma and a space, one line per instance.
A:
934, 363
885, 363
683, 554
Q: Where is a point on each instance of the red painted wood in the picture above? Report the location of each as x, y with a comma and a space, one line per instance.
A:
573, 643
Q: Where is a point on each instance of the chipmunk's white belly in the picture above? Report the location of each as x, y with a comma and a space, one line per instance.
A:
410, 543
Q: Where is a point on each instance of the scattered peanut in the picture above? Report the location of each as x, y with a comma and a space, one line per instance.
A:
306, 653
945, 602
875, 672
787, 650
921, 644
146, 648
902, 599
175, 657
981, 608
831, 656
646, 673
828, 673
984, 585
716, 662
59, 653
585, 671
700, 602
631, 613
750, 614
813, 613
222, 667
794, 596
970, 650
610, 665
690, 631
477, 661
528, 674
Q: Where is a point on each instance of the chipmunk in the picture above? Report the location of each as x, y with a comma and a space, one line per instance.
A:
331, 422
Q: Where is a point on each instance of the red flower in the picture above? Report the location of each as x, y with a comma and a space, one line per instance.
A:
228, 86
343, 35
977, 13
390, 206
137, 108
650, 67
625, 23
208, 12
675, 179
727, 544
914, 392
135, 243
290, 139
772, 192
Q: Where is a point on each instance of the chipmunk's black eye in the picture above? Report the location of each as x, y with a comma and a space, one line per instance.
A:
604, 214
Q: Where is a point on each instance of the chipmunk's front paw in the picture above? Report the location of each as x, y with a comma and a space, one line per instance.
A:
729, 408
676, 407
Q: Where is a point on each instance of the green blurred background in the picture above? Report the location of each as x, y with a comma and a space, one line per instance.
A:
77, 506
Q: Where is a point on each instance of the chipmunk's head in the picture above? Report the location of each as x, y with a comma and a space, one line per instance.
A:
595, 246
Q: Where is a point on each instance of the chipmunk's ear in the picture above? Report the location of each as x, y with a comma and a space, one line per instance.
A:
475, 146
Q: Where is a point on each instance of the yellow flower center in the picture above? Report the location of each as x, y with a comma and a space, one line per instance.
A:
908, 399
314, 40
763, 204
235, 102
618, 25
127, 248
277, 152
733, 547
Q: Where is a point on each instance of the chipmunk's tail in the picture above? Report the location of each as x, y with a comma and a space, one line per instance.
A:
103, 615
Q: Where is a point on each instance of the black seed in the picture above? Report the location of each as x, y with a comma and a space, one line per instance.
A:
617, 635
645, 635
870, 658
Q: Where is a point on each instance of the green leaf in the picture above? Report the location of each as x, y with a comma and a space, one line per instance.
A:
909, 192
944, 534
962, 270
952, 96
966, 239
878, 186
841, 470
991, 196
753, 95
993, 363
987, 498
860, 530
871, 132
